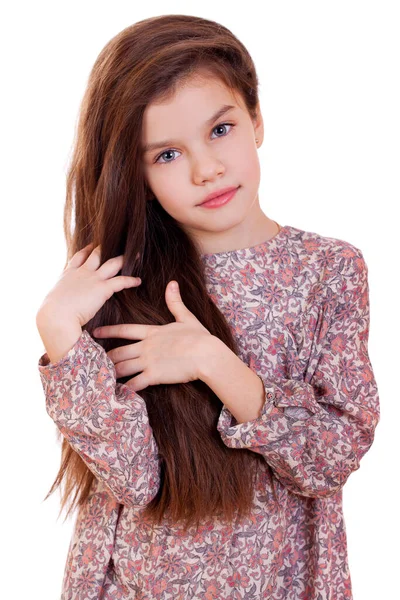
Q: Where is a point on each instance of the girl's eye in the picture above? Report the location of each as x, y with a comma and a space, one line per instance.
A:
223, 125
170, 150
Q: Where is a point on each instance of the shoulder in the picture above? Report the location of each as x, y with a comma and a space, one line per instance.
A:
330, 255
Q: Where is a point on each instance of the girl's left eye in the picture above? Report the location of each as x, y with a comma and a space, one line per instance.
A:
171, 150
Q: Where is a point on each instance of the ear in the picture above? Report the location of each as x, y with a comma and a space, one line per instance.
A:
258, 125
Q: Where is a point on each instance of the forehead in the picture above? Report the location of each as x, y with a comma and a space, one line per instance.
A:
195, 98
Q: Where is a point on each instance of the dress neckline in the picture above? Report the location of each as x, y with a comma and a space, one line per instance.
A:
252, 250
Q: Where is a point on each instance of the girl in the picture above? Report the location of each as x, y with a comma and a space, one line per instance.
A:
208, 428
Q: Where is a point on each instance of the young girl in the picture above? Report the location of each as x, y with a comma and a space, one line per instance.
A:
207, 428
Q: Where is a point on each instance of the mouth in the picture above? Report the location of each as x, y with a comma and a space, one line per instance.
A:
221, 199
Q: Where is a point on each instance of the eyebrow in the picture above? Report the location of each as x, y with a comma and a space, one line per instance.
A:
221, 111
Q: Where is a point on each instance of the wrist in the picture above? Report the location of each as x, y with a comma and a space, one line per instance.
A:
58, 334
50, 318
238, 387
212, 352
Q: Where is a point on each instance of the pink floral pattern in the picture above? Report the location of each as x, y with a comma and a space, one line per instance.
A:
298, 305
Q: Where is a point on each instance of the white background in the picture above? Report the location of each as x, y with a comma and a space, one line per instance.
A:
330, 98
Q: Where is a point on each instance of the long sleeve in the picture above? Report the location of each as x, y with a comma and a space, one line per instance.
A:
313, 432
105, 422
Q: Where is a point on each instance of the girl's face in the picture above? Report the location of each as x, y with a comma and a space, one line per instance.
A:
197, 154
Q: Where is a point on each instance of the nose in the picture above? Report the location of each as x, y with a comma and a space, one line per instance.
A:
206, 167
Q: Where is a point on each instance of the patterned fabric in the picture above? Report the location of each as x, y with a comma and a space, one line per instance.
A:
298, 305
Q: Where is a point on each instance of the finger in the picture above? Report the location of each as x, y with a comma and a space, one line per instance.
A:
138, 383
79, 257
123, 281
93, 261
89, 245
86, 248
124, 353
127, 331
127, 367
111, 267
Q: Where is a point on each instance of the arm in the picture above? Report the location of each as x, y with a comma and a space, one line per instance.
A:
314, 432
238, 387
105, 422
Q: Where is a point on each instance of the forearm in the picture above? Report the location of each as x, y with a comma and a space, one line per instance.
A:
236, 385
58, 336
106, 424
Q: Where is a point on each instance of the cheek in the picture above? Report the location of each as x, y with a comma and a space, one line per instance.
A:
170, 201
165, 184
247, 165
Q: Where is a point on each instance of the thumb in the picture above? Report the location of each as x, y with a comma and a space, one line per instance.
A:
175, 302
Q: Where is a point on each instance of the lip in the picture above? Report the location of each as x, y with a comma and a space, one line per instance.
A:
220, 197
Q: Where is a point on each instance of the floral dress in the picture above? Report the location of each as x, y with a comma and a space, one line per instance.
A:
298, 305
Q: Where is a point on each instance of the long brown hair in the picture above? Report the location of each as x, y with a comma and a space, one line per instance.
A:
108, 196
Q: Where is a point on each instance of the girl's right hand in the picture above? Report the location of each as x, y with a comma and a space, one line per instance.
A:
85, 286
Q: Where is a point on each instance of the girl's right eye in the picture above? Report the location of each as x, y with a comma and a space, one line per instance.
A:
162, 154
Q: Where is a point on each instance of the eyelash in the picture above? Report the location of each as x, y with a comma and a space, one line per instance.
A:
172, 150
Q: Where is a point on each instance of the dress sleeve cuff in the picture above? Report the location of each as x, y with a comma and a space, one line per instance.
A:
85, 343
290, 399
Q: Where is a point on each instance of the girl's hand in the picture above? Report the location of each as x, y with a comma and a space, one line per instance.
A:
85, 286
170, 353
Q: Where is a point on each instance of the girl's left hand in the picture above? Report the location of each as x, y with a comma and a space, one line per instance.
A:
169, 353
